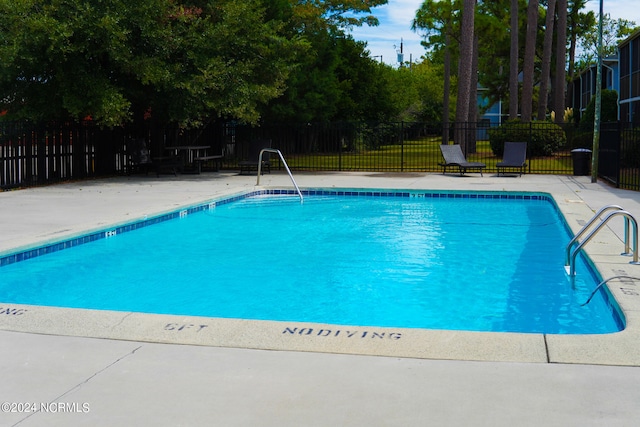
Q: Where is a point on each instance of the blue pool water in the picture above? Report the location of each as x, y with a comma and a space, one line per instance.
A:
479, 262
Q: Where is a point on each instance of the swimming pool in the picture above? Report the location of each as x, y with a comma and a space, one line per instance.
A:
225, 244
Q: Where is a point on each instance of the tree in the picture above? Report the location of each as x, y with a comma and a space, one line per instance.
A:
117, 60
435, 19
183, 62
577, 24
529, 61
513, 62
613, 31
333, 14
465, 65
561, 55
545, 73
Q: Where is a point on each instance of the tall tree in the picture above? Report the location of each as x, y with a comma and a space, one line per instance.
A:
513, 61
545, 73
473, 97
465, 66
561, 61
529, 61
435, 20
447, 89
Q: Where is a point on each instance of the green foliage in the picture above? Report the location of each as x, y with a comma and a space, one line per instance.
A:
543, 138
608, 110
115, 60
613, 32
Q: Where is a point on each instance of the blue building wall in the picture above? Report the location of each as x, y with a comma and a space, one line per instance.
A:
629, 79
492, 116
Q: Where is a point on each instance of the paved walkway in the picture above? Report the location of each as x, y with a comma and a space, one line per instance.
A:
75, 381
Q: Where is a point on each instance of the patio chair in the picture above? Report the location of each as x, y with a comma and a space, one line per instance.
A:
514, 157
453, 157
251, 162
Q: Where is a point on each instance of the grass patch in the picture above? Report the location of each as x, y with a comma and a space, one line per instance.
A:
418, 155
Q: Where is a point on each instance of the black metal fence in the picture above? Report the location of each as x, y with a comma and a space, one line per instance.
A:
31, 155
619, 155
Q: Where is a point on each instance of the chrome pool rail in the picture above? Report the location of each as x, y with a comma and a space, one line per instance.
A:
570, 259
589, 223
275, 150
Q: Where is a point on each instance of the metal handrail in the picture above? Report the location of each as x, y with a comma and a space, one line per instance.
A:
274, 150
604, 282
588, 224
571, 262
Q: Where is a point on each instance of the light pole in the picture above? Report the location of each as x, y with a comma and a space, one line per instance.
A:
596, 121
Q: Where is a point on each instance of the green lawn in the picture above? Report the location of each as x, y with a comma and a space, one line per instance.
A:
418, 155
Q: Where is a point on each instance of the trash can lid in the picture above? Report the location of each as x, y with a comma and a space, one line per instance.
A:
581, 150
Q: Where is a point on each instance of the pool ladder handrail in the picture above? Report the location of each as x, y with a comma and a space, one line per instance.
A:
284, 162
570, 258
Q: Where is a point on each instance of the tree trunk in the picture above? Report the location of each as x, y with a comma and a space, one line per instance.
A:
464, 71
545, 74
561, 54
529, 60
513, 63
573, 21
473, 95
447, 87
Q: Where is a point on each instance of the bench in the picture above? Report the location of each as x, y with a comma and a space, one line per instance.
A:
215, 159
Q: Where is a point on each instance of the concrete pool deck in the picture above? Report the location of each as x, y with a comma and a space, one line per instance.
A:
226, 375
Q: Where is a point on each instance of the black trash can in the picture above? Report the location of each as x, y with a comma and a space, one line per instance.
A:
581, 161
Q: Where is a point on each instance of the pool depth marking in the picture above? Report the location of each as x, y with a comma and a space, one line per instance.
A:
13, 311
325, 333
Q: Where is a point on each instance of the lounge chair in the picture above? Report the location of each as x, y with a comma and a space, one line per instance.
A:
453, 157
514, 157
251, 162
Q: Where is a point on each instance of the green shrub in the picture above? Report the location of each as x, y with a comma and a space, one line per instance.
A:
608, 110
543, 138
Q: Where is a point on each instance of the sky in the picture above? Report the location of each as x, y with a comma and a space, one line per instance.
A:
385, 40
